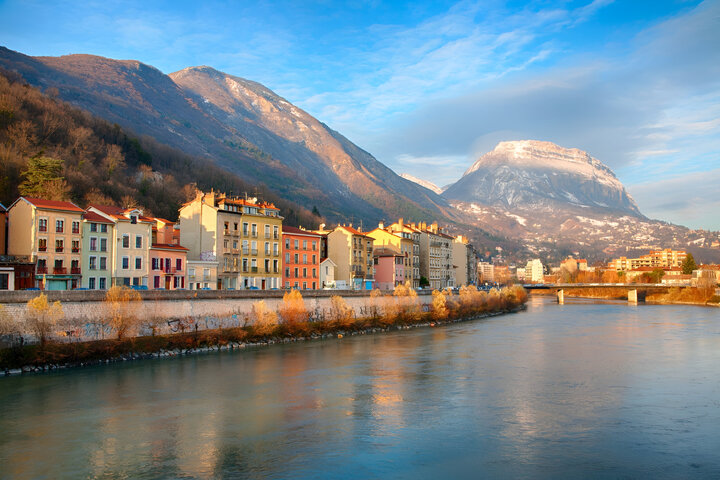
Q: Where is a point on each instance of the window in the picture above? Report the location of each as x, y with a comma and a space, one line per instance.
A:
59, 226
304, 272
93, 263
103, 263
126, 241
253, 229
191, 272
287, 258
276, 249
267, 266
93, 227
75, 245
138, 241
297, 244
42, 225
245, 228
297, 258
125, 263
226, 227
42, 244
267, 248
101, 283
305, 258
75, 227
156, 282
296, 272
236, 226
314, 259
178, 264
287, 271
304, 244
93, 244
133, 219
287, 242
276, 231
304, 285
59, 244
138, 263
267, 231
103, 229
4, 281
91, 283
103, 244
314, 246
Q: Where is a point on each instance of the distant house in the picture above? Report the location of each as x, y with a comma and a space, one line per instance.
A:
389, 268
327, 273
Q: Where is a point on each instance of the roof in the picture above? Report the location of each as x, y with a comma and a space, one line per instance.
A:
162, 220
2, 208
119, 213
327, 259
168, 246
352, 230
94, 217
299, 231
51, 204
386, 252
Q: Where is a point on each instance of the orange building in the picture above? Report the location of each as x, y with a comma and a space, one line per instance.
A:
168, 259
301, 258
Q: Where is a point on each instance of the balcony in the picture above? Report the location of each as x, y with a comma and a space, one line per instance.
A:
246, 251
42, 270
236, 233
59, 271
58, 249
75, 250
59, 230
254, 251
169, 271
254, 234
226, 232
267, 236
75, 270
42, 249
76, 230
253, 269
42, 229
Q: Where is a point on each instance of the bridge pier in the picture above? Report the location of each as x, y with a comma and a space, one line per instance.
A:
561, 296
633, 296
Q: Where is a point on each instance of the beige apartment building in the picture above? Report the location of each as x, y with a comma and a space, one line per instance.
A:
133, 236
47, 233
412, 234
242, 236
352, 252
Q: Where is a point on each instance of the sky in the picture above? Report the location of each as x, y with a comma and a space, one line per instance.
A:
428, 87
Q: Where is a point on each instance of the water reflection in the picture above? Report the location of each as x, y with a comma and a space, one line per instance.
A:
581, 389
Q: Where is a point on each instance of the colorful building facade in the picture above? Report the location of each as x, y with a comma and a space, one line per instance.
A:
301, 258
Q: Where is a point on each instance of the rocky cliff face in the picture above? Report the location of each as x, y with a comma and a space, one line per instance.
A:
541, 174
423, 183
242, 125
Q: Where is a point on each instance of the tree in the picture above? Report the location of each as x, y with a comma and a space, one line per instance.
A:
688, 265
44, 179
122, 303
42, 317
424, 282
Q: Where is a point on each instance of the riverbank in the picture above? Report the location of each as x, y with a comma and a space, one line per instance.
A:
404, 314
676, 296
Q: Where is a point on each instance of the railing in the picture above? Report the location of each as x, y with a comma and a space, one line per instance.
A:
254, 234
236, 233
75, 230
254, 251
59, 249
42, 249
75, 250
75, 270
226, 232
267, 236
246, 251
59, 230
42, 229
253, 269
59, 270
41, 270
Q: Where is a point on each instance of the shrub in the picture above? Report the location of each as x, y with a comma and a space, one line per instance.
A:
122, 304
293, 309
263, 319
341, 315
439, 305
42, 317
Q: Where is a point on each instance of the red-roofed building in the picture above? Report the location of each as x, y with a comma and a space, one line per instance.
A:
47, 233
352, 252
301, 258
98, 248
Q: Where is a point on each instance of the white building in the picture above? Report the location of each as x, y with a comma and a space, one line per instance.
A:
534, 271
327, 273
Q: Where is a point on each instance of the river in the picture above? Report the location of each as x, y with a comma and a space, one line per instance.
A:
585, 389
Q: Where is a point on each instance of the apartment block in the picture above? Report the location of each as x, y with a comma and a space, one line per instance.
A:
98, 250
301, 258
351, 251
47, 233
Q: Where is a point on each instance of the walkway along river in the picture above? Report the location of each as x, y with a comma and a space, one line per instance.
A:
577, 390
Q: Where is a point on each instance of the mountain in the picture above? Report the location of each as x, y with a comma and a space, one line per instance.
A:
558, 200
423, 183
242, 125
532, 173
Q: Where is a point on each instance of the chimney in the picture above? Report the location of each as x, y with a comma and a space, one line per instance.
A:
322, 227
381, 225
400, 222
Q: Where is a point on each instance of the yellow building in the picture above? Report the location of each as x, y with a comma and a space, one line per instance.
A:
352, 252
413, 234
47, 232
242, 236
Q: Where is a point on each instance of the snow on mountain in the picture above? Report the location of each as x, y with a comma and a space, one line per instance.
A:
530, 172
423, 183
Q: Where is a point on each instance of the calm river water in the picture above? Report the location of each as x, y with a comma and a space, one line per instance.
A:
580, 390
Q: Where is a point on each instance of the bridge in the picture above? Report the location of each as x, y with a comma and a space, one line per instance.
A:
635, 291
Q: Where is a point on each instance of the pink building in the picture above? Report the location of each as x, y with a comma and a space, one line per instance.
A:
168, 259
389, 268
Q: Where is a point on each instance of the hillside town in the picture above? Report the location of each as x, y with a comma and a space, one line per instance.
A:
219, 242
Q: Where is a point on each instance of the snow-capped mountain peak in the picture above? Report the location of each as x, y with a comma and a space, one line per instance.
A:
423, 183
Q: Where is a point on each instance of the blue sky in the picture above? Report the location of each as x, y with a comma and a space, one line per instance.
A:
427, 87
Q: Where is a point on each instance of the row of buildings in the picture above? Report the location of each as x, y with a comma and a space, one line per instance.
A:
218, 242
